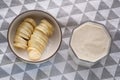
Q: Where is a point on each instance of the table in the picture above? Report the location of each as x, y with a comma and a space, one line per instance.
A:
70, 14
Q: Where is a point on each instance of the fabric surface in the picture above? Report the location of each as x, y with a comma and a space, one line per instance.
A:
70, 14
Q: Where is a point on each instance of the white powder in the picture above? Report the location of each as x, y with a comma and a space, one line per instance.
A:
90, 41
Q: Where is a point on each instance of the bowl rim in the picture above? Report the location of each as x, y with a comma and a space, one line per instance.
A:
41, 60
106, 31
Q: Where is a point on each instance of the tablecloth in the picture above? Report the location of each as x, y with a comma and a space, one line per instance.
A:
70, 14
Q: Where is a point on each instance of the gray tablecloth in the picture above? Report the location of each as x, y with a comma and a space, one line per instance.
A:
70, 14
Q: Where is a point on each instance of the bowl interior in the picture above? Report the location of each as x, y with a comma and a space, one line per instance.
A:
54, 40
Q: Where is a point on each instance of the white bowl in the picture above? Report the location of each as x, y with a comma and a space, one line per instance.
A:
53, 43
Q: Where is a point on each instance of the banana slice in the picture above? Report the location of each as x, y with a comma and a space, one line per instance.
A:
19, 45
20, 39
27, 26
22, 30
40, 35
45, 29
47, 23
34, 55
38, 39
31, 21
37, 43
23, 35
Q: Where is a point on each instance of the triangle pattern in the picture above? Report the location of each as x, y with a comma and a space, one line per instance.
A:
97, 72
28, 1
67, 9
117, 37
84, 74
5, 60
54, 71
70, 14
116, 3
3, 46
99, 17
3, 73
46, 70
71, 22
56, 77
75, 10
109, 26
16, 9
63, 78
91, 15
15, 3
7, 68
97, 65
6, 78
30, 67
58, 2
81, 6
95, 3
3, 4
105, 13
64, 46
80, 1
10, 13
41, 75
84, 18
58, 58
60, 66
23, 9
112, 69
92, 76
70, 76
16, 69
116, 11
21, 65
30, 6
68, 68
18, 76
77, 18
89, 8
2, 39
66, 3
66, 33
109, 61
109, 3
44, 4
61, 13
30, 73
4, 25
78, 77
106, 74
52, 5
117, 73
38, 7
103, 6
112, 15
114, 22
27, 77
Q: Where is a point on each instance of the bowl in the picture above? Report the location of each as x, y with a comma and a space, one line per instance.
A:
53, 43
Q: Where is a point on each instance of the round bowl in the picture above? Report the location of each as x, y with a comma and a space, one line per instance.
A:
53, 43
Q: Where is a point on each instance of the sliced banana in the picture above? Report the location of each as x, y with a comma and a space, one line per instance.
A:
19, 45
47, 23
23, 34
31, 21
34, 55
20, 39
33, 38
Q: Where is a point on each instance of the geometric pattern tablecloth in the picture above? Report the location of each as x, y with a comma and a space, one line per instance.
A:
70, 14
